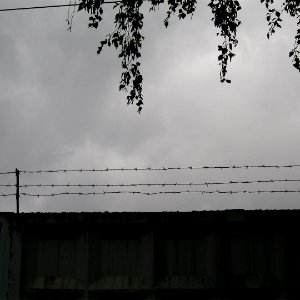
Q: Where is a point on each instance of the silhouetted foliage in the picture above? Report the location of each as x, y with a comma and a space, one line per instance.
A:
127, 37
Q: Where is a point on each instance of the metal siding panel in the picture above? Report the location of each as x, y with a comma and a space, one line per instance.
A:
5, 244
212, 255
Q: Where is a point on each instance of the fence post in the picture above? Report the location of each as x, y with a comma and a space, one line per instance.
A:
17, 190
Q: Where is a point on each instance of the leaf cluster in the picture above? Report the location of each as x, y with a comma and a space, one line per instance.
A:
127, 37
94, 8
181, 7
225, 19
274, 18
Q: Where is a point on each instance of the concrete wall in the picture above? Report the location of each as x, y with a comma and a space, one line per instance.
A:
193, 255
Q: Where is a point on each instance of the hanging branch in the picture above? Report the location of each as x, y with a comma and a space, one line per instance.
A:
225, 18
127, 37
292, 8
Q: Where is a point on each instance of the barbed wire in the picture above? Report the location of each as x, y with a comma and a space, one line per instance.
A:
7, 172
152, 184
152, 169
7, 195
159, 169
160, 192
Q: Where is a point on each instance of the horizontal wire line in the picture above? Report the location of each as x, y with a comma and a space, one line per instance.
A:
7, 185
49, 6
153, 184
7, 195
158, 169
151, 169
161, 192
7, 173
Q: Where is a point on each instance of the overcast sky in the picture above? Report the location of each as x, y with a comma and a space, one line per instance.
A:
61, 108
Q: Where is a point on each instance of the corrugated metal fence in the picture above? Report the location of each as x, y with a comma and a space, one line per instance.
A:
185, 255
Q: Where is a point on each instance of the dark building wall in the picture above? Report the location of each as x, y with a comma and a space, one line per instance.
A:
193, 255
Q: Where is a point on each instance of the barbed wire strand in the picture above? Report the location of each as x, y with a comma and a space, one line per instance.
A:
159, 169
7, 173
152, 169
161, 192
7, 195
152, 184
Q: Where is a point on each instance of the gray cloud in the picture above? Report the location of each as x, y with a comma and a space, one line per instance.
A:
60, 108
